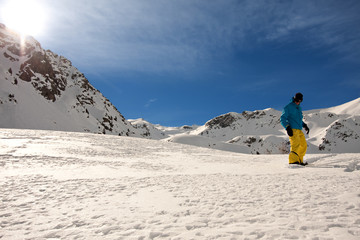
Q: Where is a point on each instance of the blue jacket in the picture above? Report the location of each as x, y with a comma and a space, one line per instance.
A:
292, 116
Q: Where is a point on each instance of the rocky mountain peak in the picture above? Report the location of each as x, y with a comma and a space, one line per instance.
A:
222, 121
42, 83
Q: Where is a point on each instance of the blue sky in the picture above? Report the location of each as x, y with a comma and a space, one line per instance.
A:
177, 62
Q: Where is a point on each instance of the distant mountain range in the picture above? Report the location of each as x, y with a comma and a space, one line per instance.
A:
332, 130
42, 90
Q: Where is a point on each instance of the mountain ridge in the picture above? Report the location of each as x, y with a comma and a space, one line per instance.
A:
332, 130
42, 90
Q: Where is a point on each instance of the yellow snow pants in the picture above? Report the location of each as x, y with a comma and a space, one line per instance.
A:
298, 146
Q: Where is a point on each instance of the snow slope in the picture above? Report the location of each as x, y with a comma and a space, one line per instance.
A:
63, 185
156, 131
332, 130
42, 90
349, 108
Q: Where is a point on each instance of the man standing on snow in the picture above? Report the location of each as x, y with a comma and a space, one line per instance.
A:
292, 120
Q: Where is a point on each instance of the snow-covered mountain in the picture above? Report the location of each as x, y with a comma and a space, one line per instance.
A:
42, 90
332, 130
156, 131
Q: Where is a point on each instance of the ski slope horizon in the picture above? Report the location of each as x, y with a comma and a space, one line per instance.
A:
65, 185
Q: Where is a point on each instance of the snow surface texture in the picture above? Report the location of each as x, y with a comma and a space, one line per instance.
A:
61, 185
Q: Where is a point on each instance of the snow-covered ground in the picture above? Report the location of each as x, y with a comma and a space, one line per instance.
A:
61, 185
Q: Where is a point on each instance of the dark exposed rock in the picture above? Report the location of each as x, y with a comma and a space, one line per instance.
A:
10, 57
253, 115
39, 63
222, 121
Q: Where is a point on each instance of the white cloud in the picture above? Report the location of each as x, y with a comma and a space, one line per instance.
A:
151, 101
162, 35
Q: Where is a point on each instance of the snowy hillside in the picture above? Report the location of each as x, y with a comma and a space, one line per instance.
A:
333, 130
156, 131
350, 108
42, 90
62, 185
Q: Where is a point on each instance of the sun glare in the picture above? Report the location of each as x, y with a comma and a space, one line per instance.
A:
27, 17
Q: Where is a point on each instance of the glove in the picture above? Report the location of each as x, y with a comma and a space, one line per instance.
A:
307, 130
289, 131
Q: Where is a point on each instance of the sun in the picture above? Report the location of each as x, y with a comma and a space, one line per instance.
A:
27, 17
